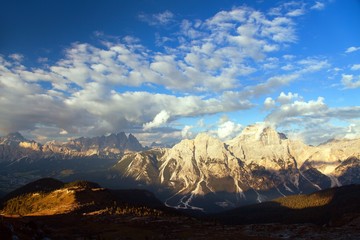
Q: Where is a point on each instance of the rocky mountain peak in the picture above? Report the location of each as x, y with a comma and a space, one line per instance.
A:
133, 144
14, 137
202, 143
270, 136
113, 141
204, 138
209, 146
261, 133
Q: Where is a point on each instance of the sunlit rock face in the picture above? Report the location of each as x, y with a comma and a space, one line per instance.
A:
258, 165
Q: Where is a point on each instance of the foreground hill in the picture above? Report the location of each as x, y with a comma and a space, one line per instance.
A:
46, 197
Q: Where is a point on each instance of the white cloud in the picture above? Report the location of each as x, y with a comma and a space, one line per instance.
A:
296, 12
318, 6
163, 138
89, 75
313, 120
269, 85
186, 133
309, 65
349, 81
160, 119
288, 67
228, 130
163, 18
288, 57
63, 132
353, 130
16, 57
355, 67
269, 103
82, 105
352, 49
287, 98
212, 66
292, 111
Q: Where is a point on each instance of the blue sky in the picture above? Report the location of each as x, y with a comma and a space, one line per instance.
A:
166, 70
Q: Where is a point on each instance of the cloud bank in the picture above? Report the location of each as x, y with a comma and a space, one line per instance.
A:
224, 64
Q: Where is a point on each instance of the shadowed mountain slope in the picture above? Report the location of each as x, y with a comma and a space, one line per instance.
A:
334, 206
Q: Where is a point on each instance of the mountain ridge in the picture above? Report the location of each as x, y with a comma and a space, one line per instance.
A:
205, 173
113, 144
258, 165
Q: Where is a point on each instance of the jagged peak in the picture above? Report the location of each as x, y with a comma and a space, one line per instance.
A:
204, 136
256, 129
131, 136
202, 144
200, 138
263, 132
14, 137
122, 134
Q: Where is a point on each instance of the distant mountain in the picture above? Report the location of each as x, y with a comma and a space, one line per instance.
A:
12, 138
335, 206
22, 160
14, 147
258, 165
113, 143
51, 197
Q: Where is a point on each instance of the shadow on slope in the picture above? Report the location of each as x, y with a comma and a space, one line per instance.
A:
332, 206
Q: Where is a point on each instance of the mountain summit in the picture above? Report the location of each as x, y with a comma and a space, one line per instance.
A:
260, 133
12, 138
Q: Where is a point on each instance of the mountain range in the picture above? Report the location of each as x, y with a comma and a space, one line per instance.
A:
199, 174
258, 165
14, 145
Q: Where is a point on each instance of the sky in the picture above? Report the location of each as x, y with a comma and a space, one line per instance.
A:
167, 70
